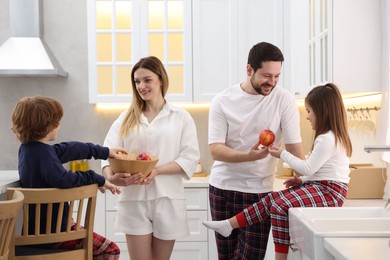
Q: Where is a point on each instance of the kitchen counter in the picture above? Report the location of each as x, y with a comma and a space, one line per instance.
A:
202, 182
8, 179
348, 203
358, 248
197, 182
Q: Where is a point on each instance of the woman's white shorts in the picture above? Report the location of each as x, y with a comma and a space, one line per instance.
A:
165, 218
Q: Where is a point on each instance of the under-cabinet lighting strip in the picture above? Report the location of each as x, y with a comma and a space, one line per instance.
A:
123, 106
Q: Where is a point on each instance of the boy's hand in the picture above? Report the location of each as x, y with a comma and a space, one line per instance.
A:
113, 188
117, 153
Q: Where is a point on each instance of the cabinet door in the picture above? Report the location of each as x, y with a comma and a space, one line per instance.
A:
214, 47
342, 47
357, 45
296, 47
190, 251
181, 250
258, 21
196, 198
223, 33
197, 231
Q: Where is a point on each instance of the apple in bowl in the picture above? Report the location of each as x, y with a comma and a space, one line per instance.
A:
143, 156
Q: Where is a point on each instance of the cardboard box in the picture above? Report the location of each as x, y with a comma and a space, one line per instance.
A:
367, 182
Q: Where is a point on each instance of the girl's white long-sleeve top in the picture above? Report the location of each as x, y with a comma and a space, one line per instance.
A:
326, 162
172, 137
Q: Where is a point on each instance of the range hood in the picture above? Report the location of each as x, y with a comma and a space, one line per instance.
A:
25, 53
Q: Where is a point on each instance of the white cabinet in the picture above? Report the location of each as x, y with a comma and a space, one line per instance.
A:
223, 33
334, 41
195, 246
296, 54
204, 51
199, 245
357, 45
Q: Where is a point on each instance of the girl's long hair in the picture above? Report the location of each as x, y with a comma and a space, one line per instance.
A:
132, 118
328, 107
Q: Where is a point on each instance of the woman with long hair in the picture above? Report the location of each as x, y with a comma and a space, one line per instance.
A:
153, 214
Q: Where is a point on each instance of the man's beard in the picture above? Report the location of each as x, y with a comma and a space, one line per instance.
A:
257, 87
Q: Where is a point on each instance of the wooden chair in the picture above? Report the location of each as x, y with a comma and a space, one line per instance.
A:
29, 246
9, 210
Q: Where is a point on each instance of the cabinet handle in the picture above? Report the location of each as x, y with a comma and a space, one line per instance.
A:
294, 249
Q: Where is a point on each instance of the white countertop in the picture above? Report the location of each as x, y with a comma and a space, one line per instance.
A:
203, 182
197, 182
348, 203
358, 248
8, 179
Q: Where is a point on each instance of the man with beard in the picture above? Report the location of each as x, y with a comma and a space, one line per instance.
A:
243, 172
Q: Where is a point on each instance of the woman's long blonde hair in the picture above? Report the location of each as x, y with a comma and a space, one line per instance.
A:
328, 107
133, 115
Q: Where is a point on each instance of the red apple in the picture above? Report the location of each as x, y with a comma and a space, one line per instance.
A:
266, 137
143, 156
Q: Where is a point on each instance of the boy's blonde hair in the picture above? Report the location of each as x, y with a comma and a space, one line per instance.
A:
34, 117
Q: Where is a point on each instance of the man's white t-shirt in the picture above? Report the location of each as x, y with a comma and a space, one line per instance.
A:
236, 119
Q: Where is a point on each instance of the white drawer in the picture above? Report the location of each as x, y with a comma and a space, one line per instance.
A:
124, 252
111, 201
190, 251
196, 199
181, 250
197, 231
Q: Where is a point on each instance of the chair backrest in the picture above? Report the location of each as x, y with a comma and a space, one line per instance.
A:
9, 210
49, 228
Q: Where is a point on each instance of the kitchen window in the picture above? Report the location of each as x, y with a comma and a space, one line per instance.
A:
120, 32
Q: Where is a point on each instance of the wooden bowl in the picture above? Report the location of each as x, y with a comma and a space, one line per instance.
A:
129, 164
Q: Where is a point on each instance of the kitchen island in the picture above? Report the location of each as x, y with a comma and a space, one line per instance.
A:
360, 248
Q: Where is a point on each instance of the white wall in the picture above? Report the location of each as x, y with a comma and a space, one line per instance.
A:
65, 31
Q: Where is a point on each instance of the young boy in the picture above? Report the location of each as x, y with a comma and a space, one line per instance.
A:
36, 121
